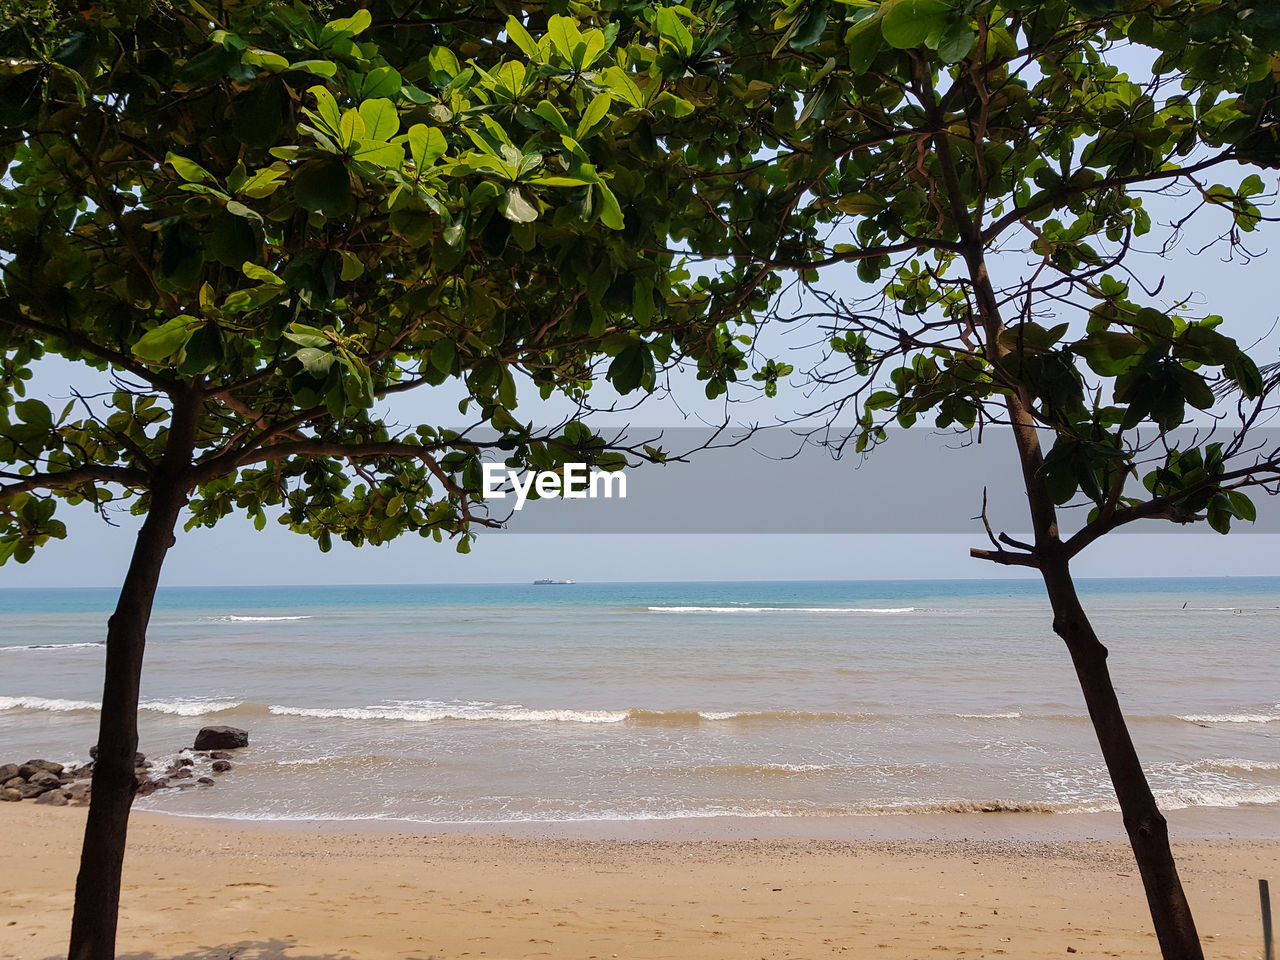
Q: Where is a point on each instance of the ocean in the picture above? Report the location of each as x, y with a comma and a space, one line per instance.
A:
504, 704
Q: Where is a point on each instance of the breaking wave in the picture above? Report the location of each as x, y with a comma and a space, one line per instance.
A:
192, 707
54, 646
781, 609
239, 619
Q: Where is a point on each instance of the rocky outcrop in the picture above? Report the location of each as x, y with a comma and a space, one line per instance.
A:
58, 785
221, 737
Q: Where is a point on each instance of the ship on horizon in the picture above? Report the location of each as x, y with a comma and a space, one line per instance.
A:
548, 580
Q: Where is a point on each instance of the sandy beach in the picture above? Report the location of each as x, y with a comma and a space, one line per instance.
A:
200, 890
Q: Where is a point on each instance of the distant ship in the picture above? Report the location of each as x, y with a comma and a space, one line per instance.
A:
545, 582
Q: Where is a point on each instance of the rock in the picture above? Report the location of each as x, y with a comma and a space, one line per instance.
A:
54, 768
139, 759
221, 766
29, 790
219, 755
186, 762
207, 781
151, 786
221, 737
79, 790
8, 771
26, 771
12, 782
181, 773
54, 798
45, 779
10, 795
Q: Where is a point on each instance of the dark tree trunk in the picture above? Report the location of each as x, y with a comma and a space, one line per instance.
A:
1148, 832
97, 900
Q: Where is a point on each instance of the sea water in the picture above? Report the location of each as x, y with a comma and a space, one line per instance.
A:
484, 704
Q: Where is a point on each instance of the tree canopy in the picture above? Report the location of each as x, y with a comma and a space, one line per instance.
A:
279, 223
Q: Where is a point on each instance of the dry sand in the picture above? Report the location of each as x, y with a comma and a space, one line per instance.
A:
200, 890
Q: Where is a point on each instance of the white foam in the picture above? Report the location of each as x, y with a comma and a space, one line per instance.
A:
193, 707
45, 703
782, 609
1231, 764
989, 716
236, 619
1181, 798
429, 711
53, 646
1230, 717
183, 708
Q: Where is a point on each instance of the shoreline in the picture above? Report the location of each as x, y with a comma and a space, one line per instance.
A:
1191, 824
201, 889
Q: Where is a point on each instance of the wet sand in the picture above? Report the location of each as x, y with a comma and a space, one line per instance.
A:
1002, 885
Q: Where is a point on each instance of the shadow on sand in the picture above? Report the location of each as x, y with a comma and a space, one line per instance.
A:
244, 950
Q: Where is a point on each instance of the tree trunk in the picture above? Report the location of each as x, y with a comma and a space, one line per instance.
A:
97, 900
1148, 832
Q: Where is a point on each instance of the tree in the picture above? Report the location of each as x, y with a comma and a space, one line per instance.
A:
989, 169
254, 228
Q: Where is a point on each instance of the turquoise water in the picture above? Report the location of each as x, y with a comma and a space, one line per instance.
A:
500, 703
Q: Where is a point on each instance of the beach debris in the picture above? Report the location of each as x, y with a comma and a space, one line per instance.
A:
221, 737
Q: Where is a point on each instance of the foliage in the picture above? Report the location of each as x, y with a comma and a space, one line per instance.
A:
990, 170
275, 222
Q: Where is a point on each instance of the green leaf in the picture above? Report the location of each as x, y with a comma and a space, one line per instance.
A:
610, 211
443, 353
956, 43
811, 28
35, 413
595, 114
324, 186
564, 34
426, 145
909, 23
381, 121
261, 274
352, 268
673, 32
515, 206
188, 170
521, 38
351, 26
162, 342
629, 368
378, 82
863, 41
1109, 352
